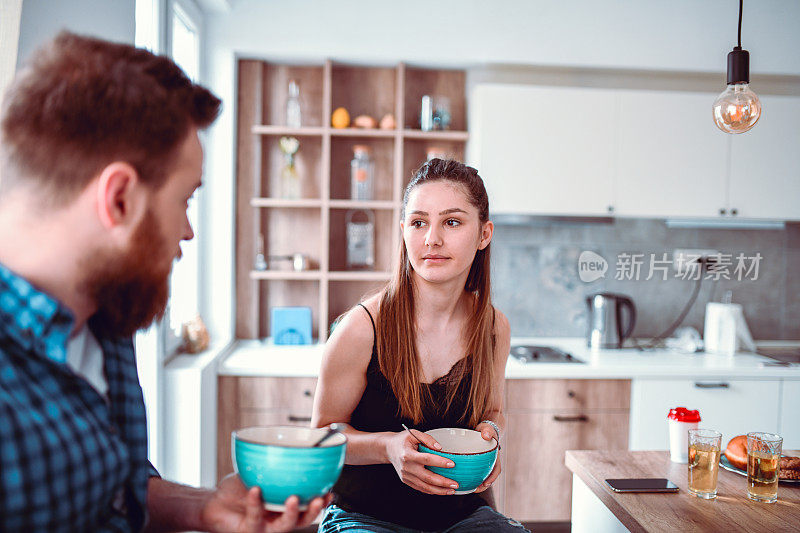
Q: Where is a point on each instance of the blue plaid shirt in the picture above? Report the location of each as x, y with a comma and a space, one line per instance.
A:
69, 459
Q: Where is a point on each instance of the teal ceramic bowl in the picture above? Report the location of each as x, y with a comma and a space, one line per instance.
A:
281, 461
473, 456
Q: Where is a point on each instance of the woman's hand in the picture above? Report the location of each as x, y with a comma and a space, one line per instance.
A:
489, 433
409, 463
234, 508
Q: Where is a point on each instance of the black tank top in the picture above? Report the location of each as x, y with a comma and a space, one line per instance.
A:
376, 490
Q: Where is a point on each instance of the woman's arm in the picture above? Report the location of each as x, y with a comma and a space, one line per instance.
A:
502, 333
342, 380
494, 413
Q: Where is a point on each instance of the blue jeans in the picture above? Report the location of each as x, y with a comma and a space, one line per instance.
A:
483, 519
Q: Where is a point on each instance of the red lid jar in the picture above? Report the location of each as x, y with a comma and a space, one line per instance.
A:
682, 414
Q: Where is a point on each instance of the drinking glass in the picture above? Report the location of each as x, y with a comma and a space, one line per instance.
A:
763, 455
704, 452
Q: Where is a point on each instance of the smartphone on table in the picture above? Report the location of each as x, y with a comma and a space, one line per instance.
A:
642, 485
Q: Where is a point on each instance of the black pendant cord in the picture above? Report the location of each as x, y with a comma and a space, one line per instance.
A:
741, 2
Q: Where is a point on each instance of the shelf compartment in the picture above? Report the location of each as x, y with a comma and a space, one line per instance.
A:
291, 231
415, 152
276, 79
382, 156
363, 90
343, 295
307, 160
446, 135
383, 241
286, 293
368, 275
362, 204
287, 275
362, 132
268, 129
286, 203
420, 82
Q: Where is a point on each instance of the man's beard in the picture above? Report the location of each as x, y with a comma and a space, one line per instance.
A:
130, 287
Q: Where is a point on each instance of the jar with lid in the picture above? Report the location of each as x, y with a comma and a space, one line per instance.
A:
362, 170
680, 420
360, 230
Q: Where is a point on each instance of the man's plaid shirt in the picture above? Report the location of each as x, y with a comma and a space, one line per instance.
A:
70, 460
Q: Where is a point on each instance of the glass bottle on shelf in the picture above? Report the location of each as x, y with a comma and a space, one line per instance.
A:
362, 171
290, 179
293, 115
360, 232
261, 258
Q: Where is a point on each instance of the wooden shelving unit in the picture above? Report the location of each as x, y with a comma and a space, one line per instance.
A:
315, 224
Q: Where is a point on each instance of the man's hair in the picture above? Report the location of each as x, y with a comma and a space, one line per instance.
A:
83, 103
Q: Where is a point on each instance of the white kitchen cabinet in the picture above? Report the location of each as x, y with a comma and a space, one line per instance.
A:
765, 163
544, 150
671, 160
638, 153
733, 407
790, 415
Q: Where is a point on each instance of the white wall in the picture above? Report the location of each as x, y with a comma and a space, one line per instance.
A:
681, 35
43, 19
688, 37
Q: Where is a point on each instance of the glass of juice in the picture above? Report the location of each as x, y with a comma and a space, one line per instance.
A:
763, 456
704, 451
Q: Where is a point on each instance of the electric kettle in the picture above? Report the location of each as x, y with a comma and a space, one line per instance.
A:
606, 328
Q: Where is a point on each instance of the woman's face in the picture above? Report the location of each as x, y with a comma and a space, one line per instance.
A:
442, 231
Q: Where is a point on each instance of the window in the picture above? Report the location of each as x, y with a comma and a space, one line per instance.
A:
184, 284
168, 27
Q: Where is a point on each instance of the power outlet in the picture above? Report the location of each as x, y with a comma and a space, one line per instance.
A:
687, 260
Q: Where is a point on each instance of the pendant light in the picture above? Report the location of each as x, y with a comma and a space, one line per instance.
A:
737, 109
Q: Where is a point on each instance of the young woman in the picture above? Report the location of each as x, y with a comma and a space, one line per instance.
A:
428, 351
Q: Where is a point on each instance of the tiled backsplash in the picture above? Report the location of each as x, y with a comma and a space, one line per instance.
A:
537, 284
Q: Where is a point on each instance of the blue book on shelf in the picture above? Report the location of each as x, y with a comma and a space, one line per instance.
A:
291, 325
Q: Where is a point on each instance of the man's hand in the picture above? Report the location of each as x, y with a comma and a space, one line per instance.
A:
233, 508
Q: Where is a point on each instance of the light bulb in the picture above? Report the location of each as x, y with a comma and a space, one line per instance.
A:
737, 109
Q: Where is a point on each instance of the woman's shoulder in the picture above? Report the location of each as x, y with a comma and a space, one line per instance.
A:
502, 334
501, 325
372, 304
354, 336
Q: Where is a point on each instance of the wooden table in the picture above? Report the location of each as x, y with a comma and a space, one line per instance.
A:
730, 511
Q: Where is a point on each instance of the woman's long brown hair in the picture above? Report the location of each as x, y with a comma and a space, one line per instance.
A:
397, 351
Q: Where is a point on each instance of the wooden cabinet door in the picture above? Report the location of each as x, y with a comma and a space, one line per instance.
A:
671, 158
259, 401
569, 394
538, 485
544, 150
765, 163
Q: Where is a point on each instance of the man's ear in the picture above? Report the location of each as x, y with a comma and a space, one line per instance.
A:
121, 198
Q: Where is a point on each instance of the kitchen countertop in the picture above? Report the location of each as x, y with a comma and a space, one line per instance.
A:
731, 511
254, 358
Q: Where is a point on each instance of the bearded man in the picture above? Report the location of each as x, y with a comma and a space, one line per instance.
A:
99, 157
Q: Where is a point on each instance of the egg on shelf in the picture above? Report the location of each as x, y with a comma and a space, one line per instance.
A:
365, 121
388, 122
340, 118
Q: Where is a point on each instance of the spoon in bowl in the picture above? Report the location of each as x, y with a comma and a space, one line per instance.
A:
409, 432
333, 429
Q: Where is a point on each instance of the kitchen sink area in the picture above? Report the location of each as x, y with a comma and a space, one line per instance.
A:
780, 355
542, 354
